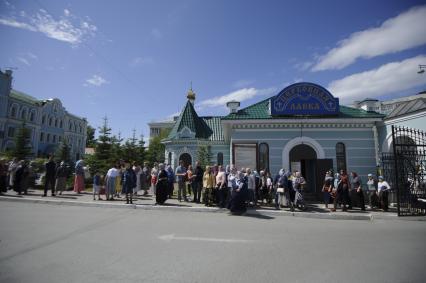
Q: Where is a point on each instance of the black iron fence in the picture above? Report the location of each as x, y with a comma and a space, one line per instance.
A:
408, 176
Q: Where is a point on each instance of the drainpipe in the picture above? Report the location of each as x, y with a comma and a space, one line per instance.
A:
376, 144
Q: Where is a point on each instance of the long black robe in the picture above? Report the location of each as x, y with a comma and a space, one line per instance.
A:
237, 204
162, 190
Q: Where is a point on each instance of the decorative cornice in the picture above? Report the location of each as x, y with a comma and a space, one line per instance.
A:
306, 125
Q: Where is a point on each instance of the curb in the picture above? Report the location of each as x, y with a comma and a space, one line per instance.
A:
250, 212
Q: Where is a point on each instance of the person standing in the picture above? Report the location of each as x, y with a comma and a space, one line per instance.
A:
50, 167
154, 176
221, 187
162, 187
208, 184
189, 180
281, 188
3, 176
170, 181
110, 181
79, 177
251, 187
327, 188
237, 204
372, 191
21, 178
129, 182
97, 186
13, 166
383, 189
357, 186
180, 174
138, 171
197, 182
145, 178
61, 177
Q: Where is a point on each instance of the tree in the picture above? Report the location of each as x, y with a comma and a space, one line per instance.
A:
91, 141
63, 152
130, 148
156, 149
22, 148
101, 160
204, 155
141, 151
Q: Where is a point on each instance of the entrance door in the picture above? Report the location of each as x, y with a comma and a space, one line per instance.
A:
303, 158
186, 158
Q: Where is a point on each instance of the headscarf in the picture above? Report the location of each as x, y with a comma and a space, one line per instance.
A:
161, 166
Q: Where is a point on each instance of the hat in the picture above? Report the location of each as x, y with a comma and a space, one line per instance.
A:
381, 177
370, 175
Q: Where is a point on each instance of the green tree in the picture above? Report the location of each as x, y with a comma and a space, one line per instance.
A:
90, 141
101, 160
22, 148
156, 149
63, 152
130, 148
141, 151
204, 155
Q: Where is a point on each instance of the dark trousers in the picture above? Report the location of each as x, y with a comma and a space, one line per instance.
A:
384, 203
360, 195
196, 189
221, 197
50, 182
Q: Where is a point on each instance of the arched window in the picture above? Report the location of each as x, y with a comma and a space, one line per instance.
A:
60, 124
264, 156
24, 114
32, 116
56, 123
50, 121
43, 119
13, 111
169, 160
220, 158
341, 156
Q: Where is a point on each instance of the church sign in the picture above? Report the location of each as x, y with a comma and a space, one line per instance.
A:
304, 99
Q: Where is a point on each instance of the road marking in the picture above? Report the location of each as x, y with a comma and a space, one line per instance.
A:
171, 237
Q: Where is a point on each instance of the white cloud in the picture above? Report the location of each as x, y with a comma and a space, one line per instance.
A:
242, 83
137, 61
405, 31
67, 28
387, 79
156, 33
97, 80
32, 56
238, 95
23, 60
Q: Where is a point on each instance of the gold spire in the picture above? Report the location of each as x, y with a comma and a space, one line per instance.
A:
191, 94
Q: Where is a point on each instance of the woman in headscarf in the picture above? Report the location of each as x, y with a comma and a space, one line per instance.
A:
138, 171
238, 204
209, 182
162, 186
79, 177
110, 180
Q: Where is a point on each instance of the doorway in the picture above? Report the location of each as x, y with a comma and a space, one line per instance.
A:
186, 158
303, 159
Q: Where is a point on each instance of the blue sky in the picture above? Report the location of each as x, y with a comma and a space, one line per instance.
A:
134, 60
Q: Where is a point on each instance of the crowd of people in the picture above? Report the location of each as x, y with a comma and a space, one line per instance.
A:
225, 187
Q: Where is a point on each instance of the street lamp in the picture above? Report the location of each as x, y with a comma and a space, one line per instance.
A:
421, 69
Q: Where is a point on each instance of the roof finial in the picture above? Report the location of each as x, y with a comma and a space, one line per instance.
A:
191, 94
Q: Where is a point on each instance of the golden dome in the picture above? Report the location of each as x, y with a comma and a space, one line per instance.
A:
191, 94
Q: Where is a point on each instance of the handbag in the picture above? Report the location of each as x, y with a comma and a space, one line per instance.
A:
280, 190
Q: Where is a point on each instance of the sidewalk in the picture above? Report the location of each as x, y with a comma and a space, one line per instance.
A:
314, 210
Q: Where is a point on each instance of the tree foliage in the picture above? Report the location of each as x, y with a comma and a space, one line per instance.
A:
156, 149
204, 155
63, 152
22, 149
90, 141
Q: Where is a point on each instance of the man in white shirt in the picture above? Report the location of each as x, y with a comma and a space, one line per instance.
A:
251, 186
383, 189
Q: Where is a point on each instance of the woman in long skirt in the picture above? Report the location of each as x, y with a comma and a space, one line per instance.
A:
110, 181
237, 204
79, 177
162, 188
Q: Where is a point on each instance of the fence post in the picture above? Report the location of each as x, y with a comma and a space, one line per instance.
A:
396, 170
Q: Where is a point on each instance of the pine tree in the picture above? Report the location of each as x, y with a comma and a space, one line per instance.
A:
22, 148
101, 160
130, 148
204, 155
90, 141
156, 149
141, 151
63, 152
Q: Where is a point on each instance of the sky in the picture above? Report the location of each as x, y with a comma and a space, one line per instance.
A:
134, 61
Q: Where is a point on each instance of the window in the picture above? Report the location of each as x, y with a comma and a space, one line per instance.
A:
54, 138
60, 124
13, 111
69, 126
32, 116
48, 138
24, 114
264, 156
41, 137
220, 158
59, 138
341, 156
56, 123
43, 119
170, 158
11, 132
50, 121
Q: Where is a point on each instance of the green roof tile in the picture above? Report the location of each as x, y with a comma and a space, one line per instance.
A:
23, 97
260, 110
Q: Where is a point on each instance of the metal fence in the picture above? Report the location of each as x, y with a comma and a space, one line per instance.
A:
409, 174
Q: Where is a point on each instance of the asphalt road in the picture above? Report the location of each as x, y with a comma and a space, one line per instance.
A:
50, 243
